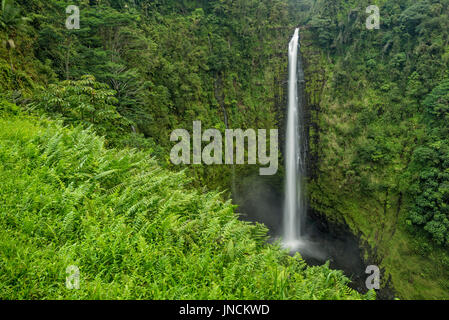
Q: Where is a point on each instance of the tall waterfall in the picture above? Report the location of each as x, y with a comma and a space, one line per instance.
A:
295, 203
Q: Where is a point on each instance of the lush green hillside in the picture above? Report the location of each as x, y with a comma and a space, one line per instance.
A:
378, 103
169, 62
132, 228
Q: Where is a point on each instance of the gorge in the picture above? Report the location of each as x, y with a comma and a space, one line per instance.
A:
87, 114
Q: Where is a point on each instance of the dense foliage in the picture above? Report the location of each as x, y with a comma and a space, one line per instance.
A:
430, 162
91, 103
132, 228
399, 73
378, 101
169, 63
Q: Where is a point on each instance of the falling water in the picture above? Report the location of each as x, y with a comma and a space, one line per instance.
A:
295, 204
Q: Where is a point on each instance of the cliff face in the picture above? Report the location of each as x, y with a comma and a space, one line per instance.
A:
367, 98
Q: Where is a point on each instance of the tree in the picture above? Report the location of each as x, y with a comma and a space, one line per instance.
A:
430, 167
85, 101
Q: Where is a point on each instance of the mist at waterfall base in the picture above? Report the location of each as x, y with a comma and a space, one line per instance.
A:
260, 199
285, 212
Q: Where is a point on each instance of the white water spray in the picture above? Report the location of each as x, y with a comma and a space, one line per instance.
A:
295, 205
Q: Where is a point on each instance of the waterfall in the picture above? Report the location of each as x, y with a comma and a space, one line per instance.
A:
295, 152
